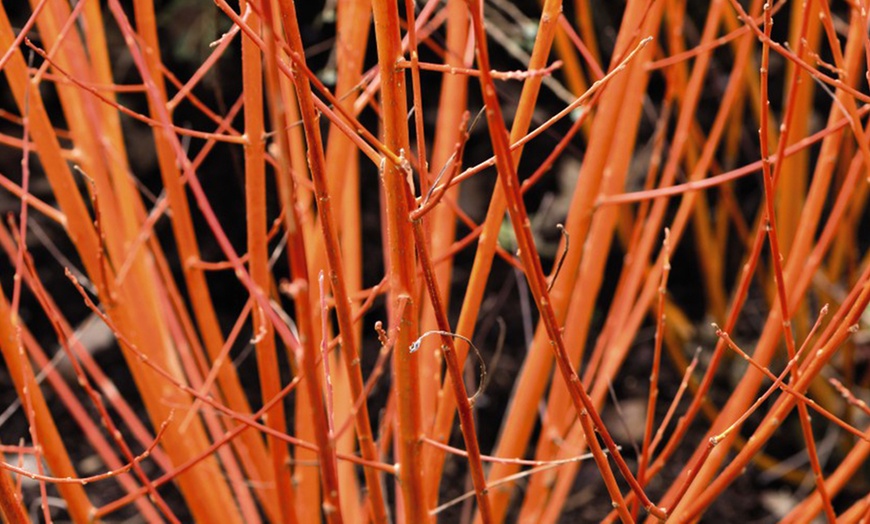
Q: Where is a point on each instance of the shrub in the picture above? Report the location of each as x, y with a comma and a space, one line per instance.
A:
375, 260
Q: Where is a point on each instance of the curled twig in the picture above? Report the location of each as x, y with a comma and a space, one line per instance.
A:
416, 345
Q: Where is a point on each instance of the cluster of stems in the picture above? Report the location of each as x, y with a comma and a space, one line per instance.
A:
339, 422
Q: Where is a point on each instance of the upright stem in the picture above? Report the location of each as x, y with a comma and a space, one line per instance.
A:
486, 250
769, 179
250, 446
454, 367
317, 164
400, 260
509, 180
255, 204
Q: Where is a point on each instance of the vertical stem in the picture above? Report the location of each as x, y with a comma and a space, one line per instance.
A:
255, 205
316, 162
776, 256
254, 457
486, 248
454, 367
509, 180
429, 362
342, 162
654, 375
400, 259
450, 128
